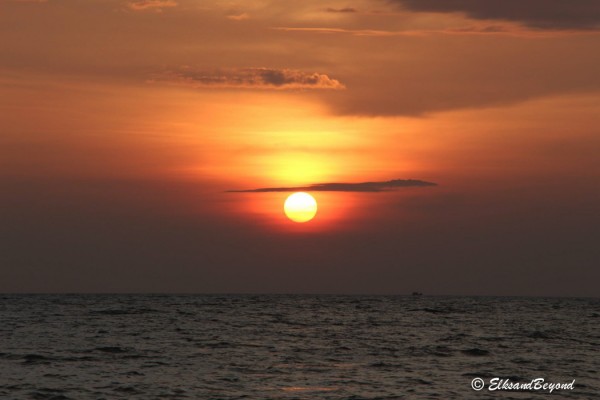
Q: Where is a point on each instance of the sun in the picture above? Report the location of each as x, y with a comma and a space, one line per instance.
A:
300, 207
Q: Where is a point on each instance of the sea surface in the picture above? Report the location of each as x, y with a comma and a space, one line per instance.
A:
294, 346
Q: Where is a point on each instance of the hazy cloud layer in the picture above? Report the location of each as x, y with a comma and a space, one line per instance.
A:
545, 14
437, 77
396, 61
251, 78
344, 187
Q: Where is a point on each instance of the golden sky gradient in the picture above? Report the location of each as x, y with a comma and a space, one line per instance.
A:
124, 119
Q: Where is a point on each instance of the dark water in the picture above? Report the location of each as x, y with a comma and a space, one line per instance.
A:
293, 347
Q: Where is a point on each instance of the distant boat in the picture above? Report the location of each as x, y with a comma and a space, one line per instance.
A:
417, 294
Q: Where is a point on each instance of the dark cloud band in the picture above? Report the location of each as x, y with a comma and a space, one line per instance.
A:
544, 14
370, 187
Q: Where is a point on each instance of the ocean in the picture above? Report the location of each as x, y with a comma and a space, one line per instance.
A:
296, 347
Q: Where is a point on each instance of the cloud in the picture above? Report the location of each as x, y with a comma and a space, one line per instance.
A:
496, 30
371, 187
238, 17
151, 5
341, 10
542, 14
356, 32
251, 78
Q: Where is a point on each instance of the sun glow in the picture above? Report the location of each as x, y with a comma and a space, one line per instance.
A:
300, 207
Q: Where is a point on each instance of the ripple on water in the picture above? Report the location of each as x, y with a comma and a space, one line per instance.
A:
289, 347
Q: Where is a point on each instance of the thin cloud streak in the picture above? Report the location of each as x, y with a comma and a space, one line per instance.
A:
369, 187
151, 5
487, 30
341, 10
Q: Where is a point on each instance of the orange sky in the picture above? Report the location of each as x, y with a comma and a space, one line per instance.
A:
117, 115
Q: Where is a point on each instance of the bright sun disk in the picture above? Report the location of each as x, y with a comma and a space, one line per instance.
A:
300, 207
